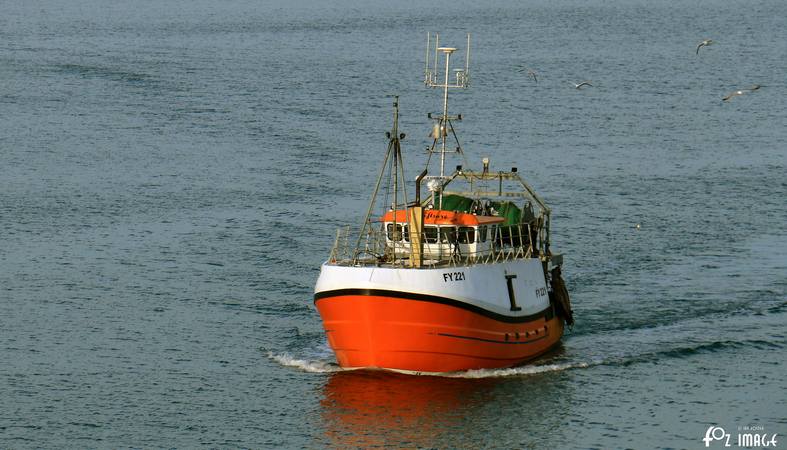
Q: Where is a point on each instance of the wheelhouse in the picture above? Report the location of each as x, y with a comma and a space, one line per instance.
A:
444, 233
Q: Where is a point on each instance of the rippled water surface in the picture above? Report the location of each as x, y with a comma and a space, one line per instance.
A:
172, 175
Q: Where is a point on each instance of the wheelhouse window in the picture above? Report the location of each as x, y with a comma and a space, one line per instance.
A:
394, 235
466, 235
482, 233
450, 235
430, 234
447, 235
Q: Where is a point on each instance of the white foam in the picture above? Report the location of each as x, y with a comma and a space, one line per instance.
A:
328, 366
313, 366
518, 371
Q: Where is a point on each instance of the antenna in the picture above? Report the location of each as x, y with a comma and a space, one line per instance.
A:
428, 48
467, 58
461, 80
461, 77
436, 44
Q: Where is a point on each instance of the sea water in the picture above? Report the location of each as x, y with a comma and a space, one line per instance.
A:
172, 175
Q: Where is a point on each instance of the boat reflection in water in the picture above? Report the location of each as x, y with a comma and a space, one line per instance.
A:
380, 408
376, 408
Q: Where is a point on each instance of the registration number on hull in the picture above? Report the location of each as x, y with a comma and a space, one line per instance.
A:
453, 276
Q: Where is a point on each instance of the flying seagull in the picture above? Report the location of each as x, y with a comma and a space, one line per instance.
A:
740, 92
703, 44
579, 86
531, 73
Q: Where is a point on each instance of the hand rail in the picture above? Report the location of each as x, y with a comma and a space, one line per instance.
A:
446, 246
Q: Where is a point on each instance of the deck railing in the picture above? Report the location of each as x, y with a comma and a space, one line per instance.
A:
451, 248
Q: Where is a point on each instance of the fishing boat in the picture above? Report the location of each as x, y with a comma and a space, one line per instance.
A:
459, 278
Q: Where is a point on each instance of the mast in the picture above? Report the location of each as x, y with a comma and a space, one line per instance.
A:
393, 156
461, 80
447, 51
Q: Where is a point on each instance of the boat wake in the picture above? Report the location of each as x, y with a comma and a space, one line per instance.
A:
326, 364
520, 371
306, 365
684, 339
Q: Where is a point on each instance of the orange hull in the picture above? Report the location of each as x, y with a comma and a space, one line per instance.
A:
386, 329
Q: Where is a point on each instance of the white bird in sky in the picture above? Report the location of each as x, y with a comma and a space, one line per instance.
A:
579, 86
740, 92
703, 44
